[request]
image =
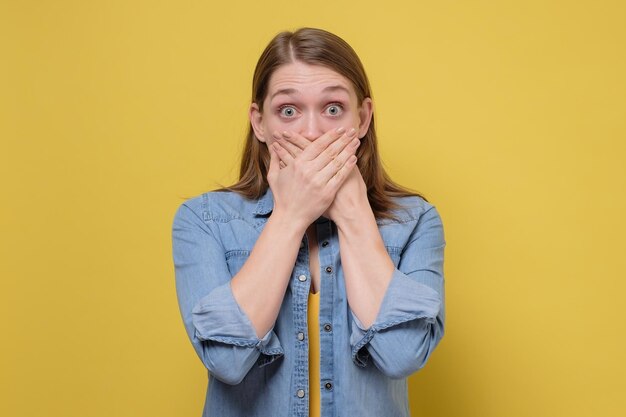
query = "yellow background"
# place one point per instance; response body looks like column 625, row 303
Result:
column 508, row 115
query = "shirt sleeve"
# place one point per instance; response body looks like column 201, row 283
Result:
column 410, row 322
column 220, row 332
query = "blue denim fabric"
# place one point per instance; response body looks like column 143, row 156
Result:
column 363, row 370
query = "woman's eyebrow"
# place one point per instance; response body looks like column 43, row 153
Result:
column 287, row 91
column 336, row 88
column 290, row 91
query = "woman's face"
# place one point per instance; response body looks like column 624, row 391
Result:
column 309, row 100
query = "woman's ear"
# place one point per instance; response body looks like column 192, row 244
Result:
column 255, row 120
column 365, row 116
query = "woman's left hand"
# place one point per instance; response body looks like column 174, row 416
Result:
column 351, row 195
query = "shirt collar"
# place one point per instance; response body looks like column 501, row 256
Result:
column 265, row 204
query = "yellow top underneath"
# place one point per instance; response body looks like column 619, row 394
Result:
column 314, row 355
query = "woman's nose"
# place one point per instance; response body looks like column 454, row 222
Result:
column 311, row 128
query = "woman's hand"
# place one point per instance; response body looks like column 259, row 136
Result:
column 307, row 185
column 351, row 194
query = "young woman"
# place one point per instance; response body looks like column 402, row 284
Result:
column 314, row 285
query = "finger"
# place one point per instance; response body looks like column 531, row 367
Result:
column 274, row 162
column 296, row 138
column 321, row 143
column 334, row 149
column 283, row 154
column 336, row 164
column 281, row 163
column 290, row 147
column 340, row 176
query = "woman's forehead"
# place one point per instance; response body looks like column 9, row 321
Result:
column 297, row 78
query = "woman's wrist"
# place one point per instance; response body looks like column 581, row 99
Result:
column 289, row 224
column 354, row 217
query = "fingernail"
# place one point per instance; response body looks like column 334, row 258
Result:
column 341, row 129
column 286, row 134
column 352, row 132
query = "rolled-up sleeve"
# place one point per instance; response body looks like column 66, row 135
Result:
column 410, row 322
column 221, row 333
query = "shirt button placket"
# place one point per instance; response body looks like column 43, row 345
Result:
column 300, row 368
column 301, row 278
column 326, row 341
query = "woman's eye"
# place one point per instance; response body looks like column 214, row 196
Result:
column 287, row 111
column 334, row 109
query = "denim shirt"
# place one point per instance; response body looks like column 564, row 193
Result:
column 363, row 371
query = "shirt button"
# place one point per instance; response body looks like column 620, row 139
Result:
column 300, row 336
column 328, row 327
column 302, row 278
column 329, row 269
column 300, row 393
column 324, row 243
column 328, row 386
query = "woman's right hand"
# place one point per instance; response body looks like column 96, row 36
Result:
column 306, row 187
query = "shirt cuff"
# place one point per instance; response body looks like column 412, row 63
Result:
column 218, row 317
column 405, row 300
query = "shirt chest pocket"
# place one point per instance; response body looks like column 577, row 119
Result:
column 235, row 260
column 395, row 237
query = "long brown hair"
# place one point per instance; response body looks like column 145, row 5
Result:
column 316, row 47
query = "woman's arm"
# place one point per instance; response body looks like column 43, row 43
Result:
column 366, row 263
column 222, row 332
column 267, row 271
column 398, row 313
